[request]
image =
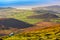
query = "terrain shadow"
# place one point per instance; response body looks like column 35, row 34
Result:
column 13, row 23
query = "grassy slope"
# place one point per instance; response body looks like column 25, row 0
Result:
column 23, row 16
column 50, row 33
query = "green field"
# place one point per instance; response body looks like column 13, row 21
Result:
column 23, row 17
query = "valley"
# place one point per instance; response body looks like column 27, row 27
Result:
column 41, row 23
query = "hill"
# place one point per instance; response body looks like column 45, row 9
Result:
column 55, row 8
column 6, row 8
column 6, row 11
column 41, row 25
column 23, row 14
column 11, row 25
column 37, row 33
column 44, row 16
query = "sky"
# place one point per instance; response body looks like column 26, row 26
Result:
column 28, row 2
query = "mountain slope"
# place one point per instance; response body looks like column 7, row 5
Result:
column 38, row 33
column 12, row 25
column 55, row 8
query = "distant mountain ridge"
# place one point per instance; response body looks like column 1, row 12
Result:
column 6, row 8
column 52, row 8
